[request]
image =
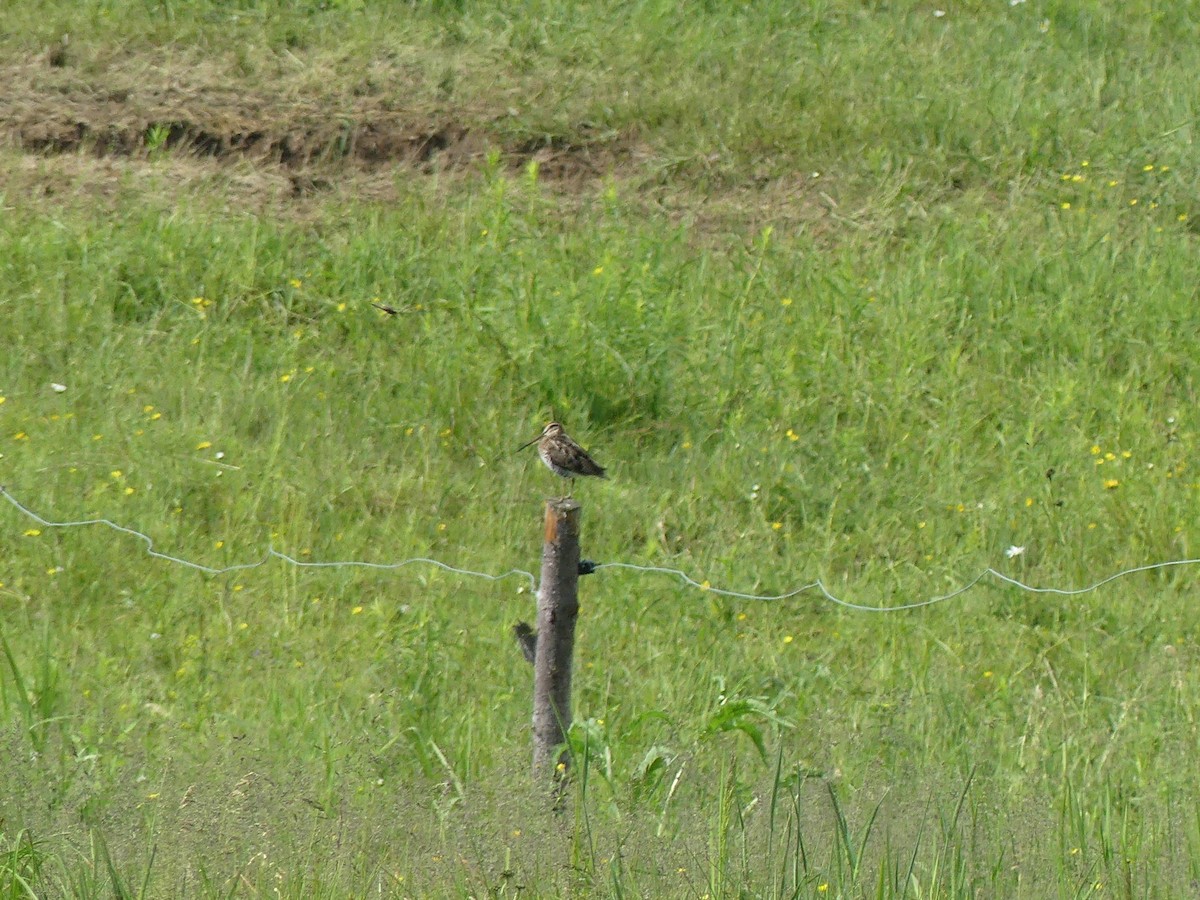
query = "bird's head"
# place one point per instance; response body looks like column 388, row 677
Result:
column 551, row 429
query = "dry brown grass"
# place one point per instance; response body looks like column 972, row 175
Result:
column 294, row 134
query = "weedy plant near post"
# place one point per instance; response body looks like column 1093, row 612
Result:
column 554, row 644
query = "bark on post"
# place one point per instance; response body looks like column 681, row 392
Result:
column 557, row 610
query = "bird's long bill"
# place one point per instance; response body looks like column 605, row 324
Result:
column 528, row 443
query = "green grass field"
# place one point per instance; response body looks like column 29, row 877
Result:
column 863, row 292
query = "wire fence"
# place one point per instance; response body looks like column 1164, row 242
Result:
column 703, row 585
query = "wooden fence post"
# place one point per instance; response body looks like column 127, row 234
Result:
column 557, row 610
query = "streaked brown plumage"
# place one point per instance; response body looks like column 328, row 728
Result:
column 563, row 456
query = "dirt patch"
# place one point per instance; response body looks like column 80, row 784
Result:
column 49, row 110
column 286, row 142
column 230, row 129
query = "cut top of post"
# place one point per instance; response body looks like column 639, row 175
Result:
column 561, row 514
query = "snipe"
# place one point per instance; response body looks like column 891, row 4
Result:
column 563, row 456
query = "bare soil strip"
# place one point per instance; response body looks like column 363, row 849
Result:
column 47, row 112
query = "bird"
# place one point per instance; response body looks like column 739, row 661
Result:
column 563, row 456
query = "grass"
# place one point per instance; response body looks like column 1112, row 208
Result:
column 854, row 292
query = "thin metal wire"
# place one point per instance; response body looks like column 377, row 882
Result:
column 818, row 584
column 208, row 570
column 658, row 570
column 1071, row 592
column 271, row 552
column 721, row 592
column 528, row 576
